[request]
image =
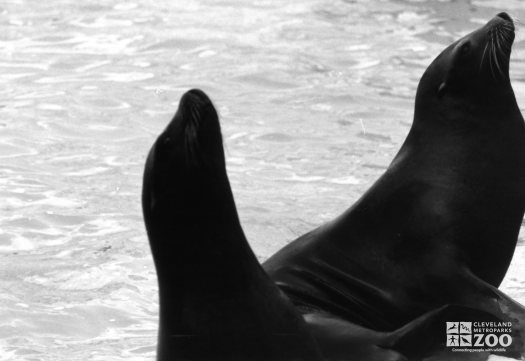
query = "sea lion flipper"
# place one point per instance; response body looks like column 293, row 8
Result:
column 491, row 299
column 343, row 340
column 216, row 302
column 426, row 336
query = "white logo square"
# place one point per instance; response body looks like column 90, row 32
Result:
column 465, row 327
column 452, row 340
column 465, row 340
column 452, row 327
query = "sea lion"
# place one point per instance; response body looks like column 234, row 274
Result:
column 216, row 302
column 440, row 226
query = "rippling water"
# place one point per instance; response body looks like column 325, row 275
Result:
column 315, row 99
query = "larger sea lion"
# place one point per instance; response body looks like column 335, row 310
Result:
column 216, row 302
column 440, row 226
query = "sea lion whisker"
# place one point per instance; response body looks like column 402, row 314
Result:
column 195, row 115
column 514, row 24
column 497, row 39
column 504, row 33
column 507, row 43
column 496, row 61
column 496, row 51
column 191, row 144
column 505, row 46
column 191, row 139
column 503, row 58
column 505, row 29
column 507, row 26
column 483, row 56
column 502, row 45
column 505, row 38
column 491, row 56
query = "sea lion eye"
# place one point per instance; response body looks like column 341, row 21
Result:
column 163, row 148
column 465, row 48
column 166, row 142
column 441, row 90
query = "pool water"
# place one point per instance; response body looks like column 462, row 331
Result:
column 315, row 99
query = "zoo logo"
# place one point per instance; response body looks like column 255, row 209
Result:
column 478, row 334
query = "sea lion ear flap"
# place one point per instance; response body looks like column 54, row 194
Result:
column 442, row 89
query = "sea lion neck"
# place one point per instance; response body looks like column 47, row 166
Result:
column 187, row 210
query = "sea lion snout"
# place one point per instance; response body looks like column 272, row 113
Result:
column 505, row 16
column 195, row 131
column 502, row 20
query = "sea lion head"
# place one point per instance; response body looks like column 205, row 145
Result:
column 467, row 146
column 185, row 169
column 193, row 138
column 471, row 76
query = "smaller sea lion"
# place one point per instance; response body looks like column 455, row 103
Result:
column 216, row 302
